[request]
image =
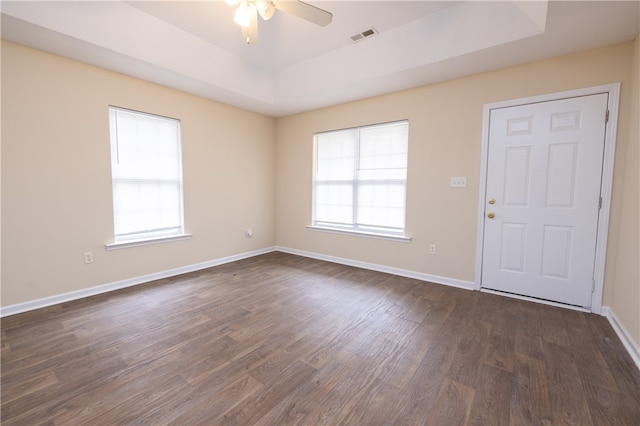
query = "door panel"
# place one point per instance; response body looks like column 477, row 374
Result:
column 513, row 247
column 561, row 182
column 516, row 187
column 543, row 176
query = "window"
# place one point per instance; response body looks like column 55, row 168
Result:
column 146, row 173
column 360, row 177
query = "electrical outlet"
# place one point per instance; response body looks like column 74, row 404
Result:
column 459, row 182
column 432, row 249
column 88, row 257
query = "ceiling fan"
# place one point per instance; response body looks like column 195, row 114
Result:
column 248, row 10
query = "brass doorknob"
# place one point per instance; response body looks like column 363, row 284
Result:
column 491, row 215
column 492, row 201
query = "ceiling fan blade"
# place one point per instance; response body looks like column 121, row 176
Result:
column 305, row 11
column 250, row 33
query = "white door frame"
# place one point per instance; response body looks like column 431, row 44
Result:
column 606, row 188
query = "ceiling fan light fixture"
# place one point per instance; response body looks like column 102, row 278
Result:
column 266, row 8
column 246, row 37
column 246, row 14
column 242, row 16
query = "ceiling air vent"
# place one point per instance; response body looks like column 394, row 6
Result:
column 365, row 34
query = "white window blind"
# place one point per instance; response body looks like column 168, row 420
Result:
column 146, row 171
column 360, row 178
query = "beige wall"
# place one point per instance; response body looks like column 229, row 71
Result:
column 623, row 295
column 56, row 176
column 445, row 140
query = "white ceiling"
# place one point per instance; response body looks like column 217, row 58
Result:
column 297, row 66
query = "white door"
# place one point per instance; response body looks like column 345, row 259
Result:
column 544, row 172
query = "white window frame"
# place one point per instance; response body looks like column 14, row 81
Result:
column 354, row 228
column 141, row 236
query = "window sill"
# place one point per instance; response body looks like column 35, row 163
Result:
column 390, row 237
column 146, row 242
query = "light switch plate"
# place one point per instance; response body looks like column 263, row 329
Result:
column 459, row 182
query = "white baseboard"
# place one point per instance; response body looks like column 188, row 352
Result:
column 104, row 288
column 624, row 335
column 467, row 285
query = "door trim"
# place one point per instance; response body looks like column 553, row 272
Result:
column 613, row 90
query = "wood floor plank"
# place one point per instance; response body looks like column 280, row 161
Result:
column 36, row 358
column 309, row 403
column 606, row 407
column 372, row 404
column 201, row 408
column 616, row 357
column 553, row 328
column 216, row 375
column 23, row 386
column 342, row 398
column 590, row 361
column 159, row 394
column 46, row 403
column 427, row 382
column 470, row 353
column 491, row 399
column 530, row 402
column 98, row 401
column 500, row 350
column 283, row 339
column 251, row 410
column 453, row 404
column 528, row 337
column 568, row 404
column 276, row 366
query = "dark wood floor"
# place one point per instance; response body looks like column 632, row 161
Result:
column 280, row 339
